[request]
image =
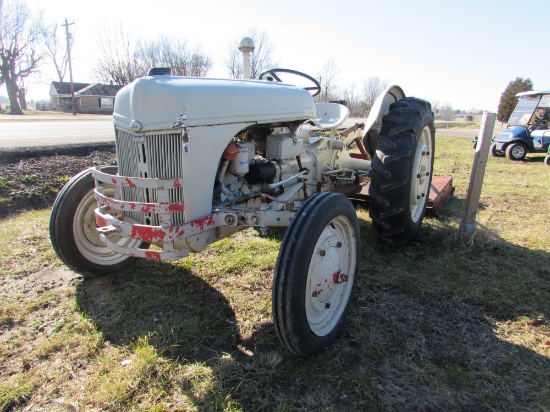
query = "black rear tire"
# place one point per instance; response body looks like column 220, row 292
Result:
column 73, row 234
column 402, row 170
column 547, row 160
column 516, row 151
column 316, row 273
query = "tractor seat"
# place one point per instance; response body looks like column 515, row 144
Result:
column 329, row 115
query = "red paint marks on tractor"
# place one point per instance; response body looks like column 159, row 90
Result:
column 130, row 183
column 176, row 207
column 147, row 208
column 148, row 234
column 100, row 221
column 203, row 221
column 152, row 254
column 177, row 183
column 113, row 181
column 339, row 277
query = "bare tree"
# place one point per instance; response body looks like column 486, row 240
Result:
column 174, row 53
column 261, row 59
column 436, row 106
column 329, row 77
column 200, row 64
column 125, row 58
column 21, row 38
column 372, row 87
column 352, row 96
column 56, row 48
column 234, row 62
column 118, row 62
column 446, row 112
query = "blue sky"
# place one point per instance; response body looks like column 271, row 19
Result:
column 463, row 53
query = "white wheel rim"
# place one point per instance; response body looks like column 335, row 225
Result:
column 420, row 179
column 518, row 152
column 87, row 238
column 330, row 276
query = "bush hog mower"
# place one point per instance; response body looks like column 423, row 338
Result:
column 200, row 159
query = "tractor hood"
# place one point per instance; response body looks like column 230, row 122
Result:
column 155, row 102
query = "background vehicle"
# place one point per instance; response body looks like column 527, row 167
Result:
column 200, row 159
column 527, row 127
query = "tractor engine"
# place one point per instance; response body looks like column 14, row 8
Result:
column 265, row 163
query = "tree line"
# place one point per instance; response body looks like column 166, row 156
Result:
column 27, row 43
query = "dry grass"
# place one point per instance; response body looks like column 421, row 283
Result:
column 448, row 322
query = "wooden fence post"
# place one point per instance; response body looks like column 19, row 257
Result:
column 467, row 224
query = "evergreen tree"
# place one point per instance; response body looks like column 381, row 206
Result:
column 508, row 98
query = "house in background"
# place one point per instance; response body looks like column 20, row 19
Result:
column 89, row 97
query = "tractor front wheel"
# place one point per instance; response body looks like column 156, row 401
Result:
column 516, row 151
column 316, row 273
column 547, row 160
column 73, row 230
column 402, row 170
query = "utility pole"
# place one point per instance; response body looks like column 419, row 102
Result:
column 68, row 35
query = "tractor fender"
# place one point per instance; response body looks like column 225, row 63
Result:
column 379, row 109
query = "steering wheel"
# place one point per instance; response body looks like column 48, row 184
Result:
column 313, row 90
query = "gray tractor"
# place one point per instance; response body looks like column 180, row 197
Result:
column 199, row 159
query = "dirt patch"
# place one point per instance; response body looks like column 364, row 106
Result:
column 30, row 181
column 48, row 279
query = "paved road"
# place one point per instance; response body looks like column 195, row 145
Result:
column 466, row 132
column 61, row 131
column 28, row 134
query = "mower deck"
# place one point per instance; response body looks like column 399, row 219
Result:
column 440, row 192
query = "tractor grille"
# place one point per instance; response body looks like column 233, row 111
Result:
column 158, row 157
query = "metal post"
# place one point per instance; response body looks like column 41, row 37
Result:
column 68, row 35
column 467, row 224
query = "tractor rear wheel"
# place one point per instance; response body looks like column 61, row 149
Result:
column 316, row 273
column 73, row 230
column 402, row 170
column 516, row 151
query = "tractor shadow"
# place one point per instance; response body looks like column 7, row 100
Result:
column 180, row 314
column 434, row 325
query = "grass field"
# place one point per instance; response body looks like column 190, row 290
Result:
column 447, row 322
